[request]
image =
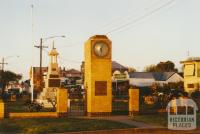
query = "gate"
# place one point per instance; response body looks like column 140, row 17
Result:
column 76, row 103
column 120, row 105
column 120, row 98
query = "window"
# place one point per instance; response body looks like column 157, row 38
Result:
column 189, row 70
column 190, row 85
column 198, row 72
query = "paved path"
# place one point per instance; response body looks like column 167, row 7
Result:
column 125, row 120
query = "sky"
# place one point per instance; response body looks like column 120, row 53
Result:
column 142, row 32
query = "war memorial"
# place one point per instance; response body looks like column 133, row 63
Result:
column 98, row 100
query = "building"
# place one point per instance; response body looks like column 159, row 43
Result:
column 191, row 73
column 147, row 79
column 70, row 73
column 120, row 79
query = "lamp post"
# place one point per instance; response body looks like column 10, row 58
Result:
column 42, row 40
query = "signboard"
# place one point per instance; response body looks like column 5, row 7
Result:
column 100, row 88
column 54, row 82
column 121, row 76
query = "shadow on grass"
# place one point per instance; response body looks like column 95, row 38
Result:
column 158, row 119
column 56, row 125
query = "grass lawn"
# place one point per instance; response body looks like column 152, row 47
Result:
column 158, row 119
column 56, row 125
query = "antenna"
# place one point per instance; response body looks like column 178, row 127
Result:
column 32, row 47
column 188, row 53
column 32, row 29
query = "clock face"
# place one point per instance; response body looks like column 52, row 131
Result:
column 101, row 49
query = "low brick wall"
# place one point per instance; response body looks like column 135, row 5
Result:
column 138, row 131
column 34, row 115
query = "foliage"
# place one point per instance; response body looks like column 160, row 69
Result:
column 22, row 106
column 172, row 85
column 7, row 76
column 161, row 94
column 53, row 103
column 167, row 66
column 150, row 68
column 131, row 69
column 195, row 94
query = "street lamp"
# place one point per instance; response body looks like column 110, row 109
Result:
column 42, row 40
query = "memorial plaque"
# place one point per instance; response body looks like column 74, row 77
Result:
column 100, row 88
column 54, row 82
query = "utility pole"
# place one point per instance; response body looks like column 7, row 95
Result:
column 2, row 64
column 41, row 47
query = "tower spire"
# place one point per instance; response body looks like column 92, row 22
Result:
column 53, row 45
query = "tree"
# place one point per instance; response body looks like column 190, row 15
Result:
column 131, row 69
column 6, row 76
column 167, row 66
column 150, row 68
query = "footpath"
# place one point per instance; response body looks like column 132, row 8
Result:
column 125, row 120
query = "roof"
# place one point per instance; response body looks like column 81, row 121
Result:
column 191, row 59
column 117, row 66
column 72, row 71
column 158, row 76
column 163, row 76
column 144, row 75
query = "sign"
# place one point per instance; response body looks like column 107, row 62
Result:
column 121, row 76
column 54, row 82
column 182, row 114
column 100, row 88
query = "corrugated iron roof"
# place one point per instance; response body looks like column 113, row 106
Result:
column 158, row 76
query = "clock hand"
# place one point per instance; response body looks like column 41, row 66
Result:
column 101, row 49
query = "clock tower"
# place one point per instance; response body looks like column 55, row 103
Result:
column 98, row 84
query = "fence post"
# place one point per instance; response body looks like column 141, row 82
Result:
column 62, row 101
column 133, row 101
column 2, row 110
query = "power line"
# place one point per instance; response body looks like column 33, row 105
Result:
column 141, row 18
column 64, row 59
column 68, row 60
column 129, row 15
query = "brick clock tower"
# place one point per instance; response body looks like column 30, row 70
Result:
column 98, row 83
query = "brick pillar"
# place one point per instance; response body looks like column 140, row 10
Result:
column 2, row 110
column 62, row 99
column 134, row 101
